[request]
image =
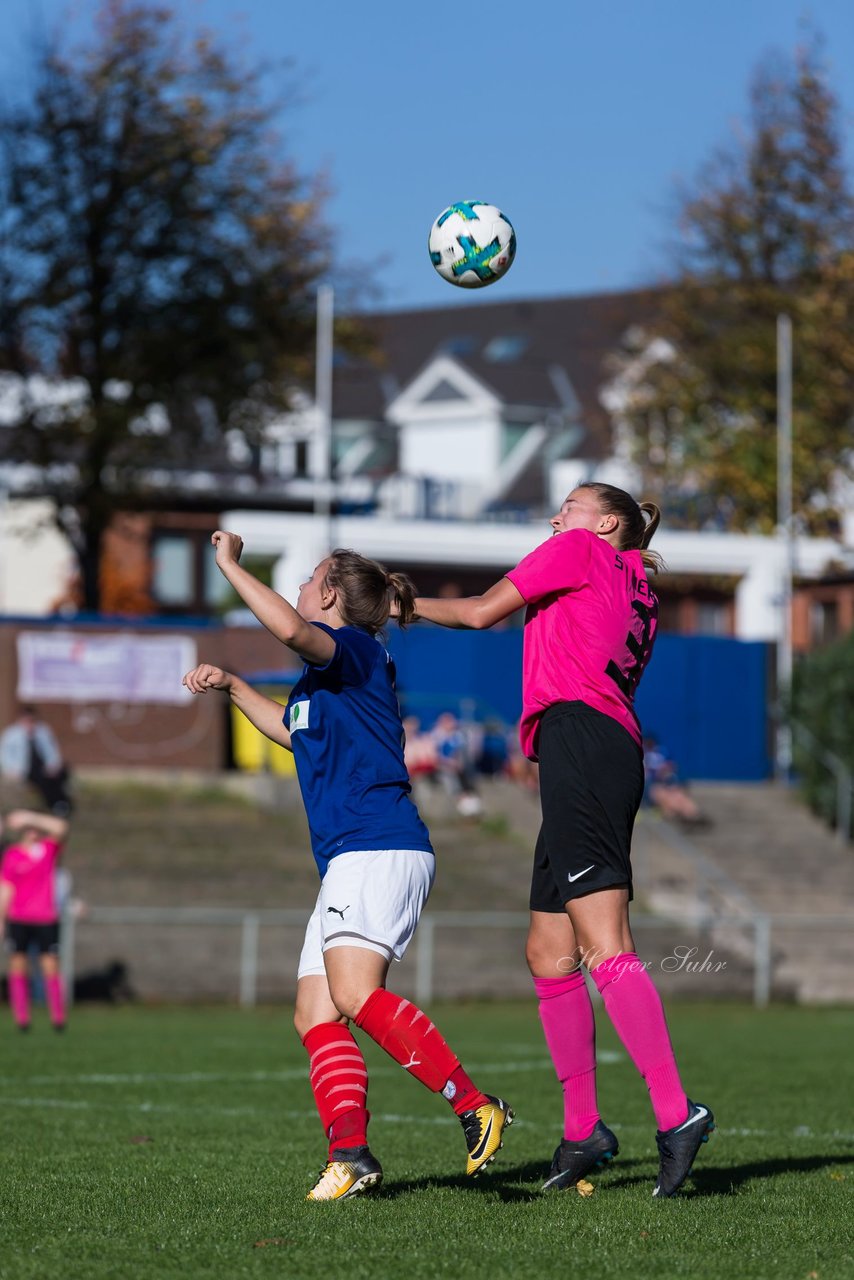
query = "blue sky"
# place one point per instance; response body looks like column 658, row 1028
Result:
column 577, row 122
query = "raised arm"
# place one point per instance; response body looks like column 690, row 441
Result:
column 7, row 892
column 265, row 713
column 45, row 823
column 472, row 612
column 272, row 610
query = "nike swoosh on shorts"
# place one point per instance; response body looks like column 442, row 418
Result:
column 570, row 877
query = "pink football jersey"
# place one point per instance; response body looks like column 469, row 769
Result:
column 589, row 629
column 30, row 872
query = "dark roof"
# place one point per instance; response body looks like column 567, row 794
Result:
column 510, row 346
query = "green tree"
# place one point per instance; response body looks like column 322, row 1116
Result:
column 822, row 700
column 767, row 230
column 158, row 265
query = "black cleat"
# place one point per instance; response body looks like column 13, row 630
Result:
column 678, row 1148
column 575, row 1159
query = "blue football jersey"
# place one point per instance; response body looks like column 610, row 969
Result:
column 347, row 741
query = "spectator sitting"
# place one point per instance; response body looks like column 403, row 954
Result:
column 29, row 752
column 664, row 789
column 419, row 750
column 454, row 767
column 494, row 751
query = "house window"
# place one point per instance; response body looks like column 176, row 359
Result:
column 173, row 574
column 712, row 618
column 215, row 588
column 670, row 615
column 506, row 349
column 511, row 434
column 184, row 576
column 824, row 622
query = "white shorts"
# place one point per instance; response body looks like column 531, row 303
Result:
column 370, row 899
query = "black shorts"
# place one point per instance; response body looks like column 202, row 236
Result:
column 591, row 786
column 20, row 937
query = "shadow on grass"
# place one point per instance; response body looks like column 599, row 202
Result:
column 706, row 1181
column 503, row 1182
column 720, row 1181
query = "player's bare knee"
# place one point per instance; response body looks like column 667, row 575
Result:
column 305, row 1019
column 348, row 1000
column 541, row 959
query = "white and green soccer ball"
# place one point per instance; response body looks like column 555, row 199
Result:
column 472, row 244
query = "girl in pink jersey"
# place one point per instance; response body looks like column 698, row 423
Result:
column 28, row 909
column 589, row 630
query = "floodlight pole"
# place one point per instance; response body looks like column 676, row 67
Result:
column 323, row 403
column 786, row 533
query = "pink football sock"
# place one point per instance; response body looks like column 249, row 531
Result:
column 634, row 1006
column 567, row 1017
column 19, row 998
column 55, row 999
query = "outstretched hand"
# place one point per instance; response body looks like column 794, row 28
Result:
column 228, row 547
column 204, row 676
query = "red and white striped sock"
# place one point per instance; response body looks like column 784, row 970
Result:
column 408, row 1036
column 339, row 1081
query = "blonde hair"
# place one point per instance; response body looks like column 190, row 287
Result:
column 638, row 520
column 366, row 590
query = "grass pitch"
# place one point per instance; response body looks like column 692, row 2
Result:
column 181, row 1143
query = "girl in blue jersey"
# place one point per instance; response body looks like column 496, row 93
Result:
column 373, row 852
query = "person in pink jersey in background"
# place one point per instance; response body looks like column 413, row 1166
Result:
column 29, row 911
column 590, row 626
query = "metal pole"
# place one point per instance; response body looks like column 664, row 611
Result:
column 249, row 961
column 785, row 528
column 66, row 950
column 323, row 403
column 424, row 961
column 843, row 800
column 761, row 960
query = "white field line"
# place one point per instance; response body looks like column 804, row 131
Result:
column 541, row 1063
column 156, row 1108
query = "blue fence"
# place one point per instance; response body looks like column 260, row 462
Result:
column 704, row 698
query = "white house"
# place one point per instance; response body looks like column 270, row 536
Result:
column 448, row 452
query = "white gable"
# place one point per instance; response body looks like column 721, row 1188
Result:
column 444, row 389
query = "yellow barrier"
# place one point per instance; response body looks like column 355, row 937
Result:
column 255, row 753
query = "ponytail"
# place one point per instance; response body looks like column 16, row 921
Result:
column 652, row 516
column 402, row 593
column 366, row 591
column 638, row 520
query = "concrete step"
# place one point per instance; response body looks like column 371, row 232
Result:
column 775, row 858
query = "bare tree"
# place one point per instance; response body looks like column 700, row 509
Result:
column 158, row 264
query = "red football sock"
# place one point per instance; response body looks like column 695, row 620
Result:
column 634, row 1006
column 339, row 1082
column 408, row 1036
column 567, row 1017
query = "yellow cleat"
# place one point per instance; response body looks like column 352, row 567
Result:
column 484, row 1130
column 353, row 1171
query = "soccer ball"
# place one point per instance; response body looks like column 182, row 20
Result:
column 472, row 244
